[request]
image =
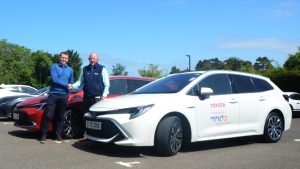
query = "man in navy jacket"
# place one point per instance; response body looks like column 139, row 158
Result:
column 61, row 80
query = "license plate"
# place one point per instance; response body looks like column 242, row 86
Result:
column 16, row 116
column 93, row 125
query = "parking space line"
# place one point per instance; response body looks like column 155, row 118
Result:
column 8, row 123
column 297, row 140
column 128, row 164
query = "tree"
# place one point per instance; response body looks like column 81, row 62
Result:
column 209, row 64
column 42, row 62
column 119, row 70
column 293, row 62
column 174, row 69
column 75, row 62
column 263, row 64
column 152, row 71
column 15, row 64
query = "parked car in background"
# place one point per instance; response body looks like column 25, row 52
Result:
column 294, row 100
column 16, row 90
column 28, row 114
column 191, row 107
column 8, row 103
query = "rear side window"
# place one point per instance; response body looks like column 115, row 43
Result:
column 242, row 84
column 117, row 86
column 219, row 83
column 135, row 84
column 261, row 85
column 295, row 96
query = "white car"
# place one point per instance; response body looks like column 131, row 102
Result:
column 191, row 107
column 16, row 90
column 294, row 100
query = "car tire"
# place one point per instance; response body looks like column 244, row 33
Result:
column 169, row 136
column 273, row 128
column 70, row 128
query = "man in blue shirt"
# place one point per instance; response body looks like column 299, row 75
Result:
column 95, row 81
column 61, row 80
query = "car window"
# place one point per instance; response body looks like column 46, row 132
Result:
column 295, row 96
column 41, row 91
column 133, row 84
column 242, row 84
column 118, row 86
column 27, row 90
column 261, row 85
column 219, row 83
column 170, row 84
column 13, row 89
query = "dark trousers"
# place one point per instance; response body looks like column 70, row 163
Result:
column 88, row 101
column 55, row 102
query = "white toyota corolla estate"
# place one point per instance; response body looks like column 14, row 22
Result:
column 191, row 107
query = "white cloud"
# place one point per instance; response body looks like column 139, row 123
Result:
column 272, row 45
column 285, row 8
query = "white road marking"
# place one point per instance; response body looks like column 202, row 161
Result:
column 129, row 164
column 8, row 123
column 298, row 140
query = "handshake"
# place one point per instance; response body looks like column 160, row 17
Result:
column 70, row 87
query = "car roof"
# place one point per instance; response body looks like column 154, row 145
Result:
column 3, row 86
column 132, row 77
column 290, row 93
column 226, row 71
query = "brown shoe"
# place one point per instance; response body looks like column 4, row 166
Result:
column 43, row 139
column 58, row 139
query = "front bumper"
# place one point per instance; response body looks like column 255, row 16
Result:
column 118, row 129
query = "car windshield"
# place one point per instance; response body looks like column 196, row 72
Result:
column 169, row 84
column 41, row 91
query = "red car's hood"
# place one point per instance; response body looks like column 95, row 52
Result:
column 33, row 100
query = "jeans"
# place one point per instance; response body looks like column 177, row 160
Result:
column 56, row 102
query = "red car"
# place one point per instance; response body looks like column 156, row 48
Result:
column 28, row 114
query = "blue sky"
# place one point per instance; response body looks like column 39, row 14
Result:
column 136, row 33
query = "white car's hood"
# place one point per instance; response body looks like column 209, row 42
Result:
column 127, row 101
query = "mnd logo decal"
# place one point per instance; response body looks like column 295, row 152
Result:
column 219, row 119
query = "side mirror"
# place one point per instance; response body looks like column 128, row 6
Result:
column 204, row 93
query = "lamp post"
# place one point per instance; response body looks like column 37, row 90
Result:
column 189, row 62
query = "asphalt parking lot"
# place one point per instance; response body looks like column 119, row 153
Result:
column 21, row 149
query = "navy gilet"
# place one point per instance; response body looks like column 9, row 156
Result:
column 92, row 80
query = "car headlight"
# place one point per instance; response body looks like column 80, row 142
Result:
column 40, row 106
column 135, row 111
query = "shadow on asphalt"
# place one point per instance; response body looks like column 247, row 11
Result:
column 30, row 134
column 222, row 143
column 25, row 134
column 123, row 151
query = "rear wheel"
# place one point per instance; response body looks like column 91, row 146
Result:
column 169, row 136
column 273, row 128
column 71, row 128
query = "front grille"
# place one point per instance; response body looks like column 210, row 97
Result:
column 108, row 130
column 24, row 120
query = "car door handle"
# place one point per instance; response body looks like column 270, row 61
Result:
column 233, row 101
column 262, row 98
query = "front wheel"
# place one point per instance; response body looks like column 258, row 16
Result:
column 70, row 129
column 169, row 136
column 273, row 128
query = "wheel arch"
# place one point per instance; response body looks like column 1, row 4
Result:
column 280, row 114
column 185, row 123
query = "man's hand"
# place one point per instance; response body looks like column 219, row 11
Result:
column 70, row 87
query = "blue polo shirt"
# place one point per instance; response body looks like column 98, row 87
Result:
column 61, row 77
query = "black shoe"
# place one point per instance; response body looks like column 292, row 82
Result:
column 58, row 139
column 43, row 139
